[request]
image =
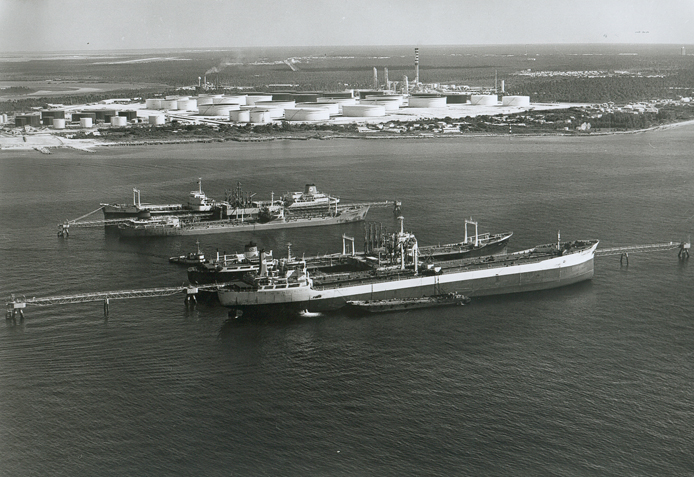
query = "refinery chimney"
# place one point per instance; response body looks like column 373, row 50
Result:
column 385, row 80
column 375, row 78
column 416, row 66
column 683, row 52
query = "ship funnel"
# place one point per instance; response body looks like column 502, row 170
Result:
column 263, row 265
column 250, row 250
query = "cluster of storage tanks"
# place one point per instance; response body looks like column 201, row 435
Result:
column 311, row 106
column 262, row 108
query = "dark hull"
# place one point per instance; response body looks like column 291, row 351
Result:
column 456, row 252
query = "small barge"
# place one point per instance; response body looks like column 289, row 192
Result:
column 403, row 304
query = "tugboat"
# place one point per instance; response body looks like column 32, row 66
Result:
column 192, row 258
column 400, row 304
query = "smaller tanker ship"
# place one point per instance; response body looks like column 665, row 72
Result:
column 225, row 268
column 394, row 272
column 238, row 212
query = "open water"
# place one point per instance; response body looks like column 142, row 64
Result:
column 592, row 379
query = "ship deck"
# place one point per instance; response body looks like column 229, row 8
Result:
column 325, row 281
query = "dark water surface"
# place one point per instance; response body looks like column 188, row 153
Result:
column 592, row 379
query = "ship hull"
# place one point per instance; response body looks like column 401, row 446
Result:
column 461, row 251
column 507, row 278
column 221, row 227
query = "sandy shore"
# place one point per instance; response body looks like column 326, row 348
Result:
column 44, row 141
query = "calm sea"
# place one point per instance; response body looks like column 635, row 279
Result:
column 592, row 379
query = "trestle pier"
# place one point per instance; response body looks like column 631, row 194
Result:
column 624, row 252
column 15, row 307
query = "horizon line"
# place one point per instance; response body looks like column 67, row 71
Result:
column 413, row 45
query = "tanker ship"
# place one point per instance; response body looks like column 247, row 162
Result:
column 396, row 273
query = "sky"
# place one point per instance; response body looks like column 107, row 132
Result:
column 63, row 25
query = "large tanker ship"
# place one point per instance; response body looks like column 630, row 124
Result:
column 396, row 273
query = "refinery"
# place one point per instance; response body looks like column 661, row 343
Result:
column 212, row 104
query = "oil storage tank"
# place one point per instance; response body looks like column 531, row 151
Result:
column 260, row 116
column 306, row 114
column 217, row 109
column 58, row 123
column 240, row 116
column 390, row 103
column 333, row 108
column 86, row 122
column 119, row 121
column 484, row 99
column 457, row 98
column 364, row 110
column 153, row 103
column 427, row 102
column 187, row 105
column 251, row 99
column 339, row 101
column 157, row 120
column 204, row 99
column 520, row 101
column 169, row 104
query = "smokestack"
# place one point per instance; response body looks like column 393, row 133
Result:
column 385, row 80
column 199, row 79
column 263, row 265
column 375, row 78
column 416, row 66
column 503, row 86
column 683, row 52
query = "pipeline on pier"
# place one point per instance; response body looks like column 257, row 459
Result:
column 624, row 252
column 15, row 307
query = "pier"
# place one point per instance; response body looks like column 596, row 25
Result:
column 624, row 252
column 15, row 307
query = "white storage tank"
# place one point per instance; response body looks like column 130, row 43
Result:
column 484, row 99
column 515, row 101
column 427, row 102
column 119, row 121
column 153, row 103
column 306, row 114
column 86, row 122
column 364, row 110
column 156, row 120
column 389, row 104
column 187, row 105
column 169, row 104
column 260, row 116
column 58, row 123
column 339, row 101
column 203, row 100
column 217, row 109
column 333, row 108
column 396, row 98
column 237, row 98
column 276, row 104
column 240, row 116
column 252, row 98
